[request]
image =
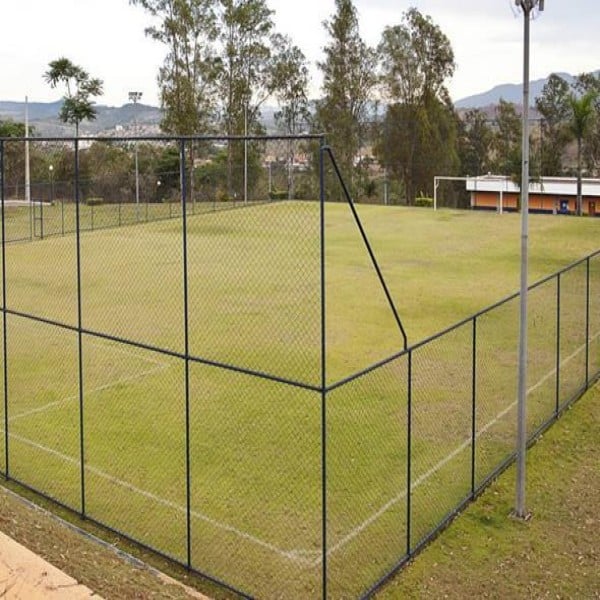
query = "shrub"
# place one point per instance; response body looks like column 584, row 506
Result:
column 278, row 195
column 424, row 201
column 223, row 196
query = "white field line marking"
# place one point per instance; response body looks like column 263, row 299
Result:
column 296, row 555
column 160, row 366
column 369, row 521
column 291, row 554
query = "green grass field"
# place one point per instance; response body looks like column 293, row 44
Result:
column 255, row 444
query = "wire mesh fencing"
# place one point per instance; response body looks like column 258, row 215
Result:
column 188, row 361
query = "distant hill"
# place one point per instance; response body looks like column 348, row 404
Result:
column 111, row 120
column 37, row 110
column 510, row 92
column 44, row 117
column 114, row 120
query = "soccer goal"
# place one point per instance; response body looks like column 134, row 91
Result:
column 450, row 192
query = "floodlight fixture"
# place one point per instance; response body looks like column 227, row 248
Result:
column 135, row 96
column 528, row 5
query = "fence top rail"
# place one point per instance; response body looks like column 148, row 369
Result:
column 504, row 300
column 457, row 325
column 169, row 138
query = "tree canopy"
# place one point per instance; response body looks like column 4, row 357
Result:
column 80, row 89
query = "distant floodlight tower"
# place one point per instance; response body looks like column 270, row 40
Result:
column 27, row 164
column 135, row 97
column 527, row 6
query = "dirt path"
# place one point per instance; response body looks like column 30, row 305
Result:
column 41, row 557
column 26, row 576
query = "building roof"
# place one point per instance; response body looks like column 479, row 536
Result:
column 554, row 186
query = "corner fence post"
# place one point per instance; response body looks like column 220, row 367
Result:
column 79, row 331
column 323, row 367
column 186, row 350
column 4, row 324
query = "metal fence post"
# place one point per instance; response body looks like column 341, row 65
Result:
column 79, row 330
column 31, row 220
column 41, row 219
column 323, row 367
column 4, row 324
column 587, row 322
column 473, row 406
column 409, row 456
column 557, row 407
column 186, row 343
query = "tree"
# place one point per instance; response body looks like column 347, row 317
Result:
column 475, row 143
column 553, row 106
column 416, row 59
column 290, row 85
column 244, row 73
column 105, row 172
column 507, row 141
column 590, row 82
column 582, row 115
column 244, row 79
column 187, row 77
column 11, row 128
column 349, row 77
column 188, row 29
column 77, row 105
column 14, row 156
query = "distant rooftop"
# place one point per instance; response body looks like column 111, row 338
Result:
column 566, row 186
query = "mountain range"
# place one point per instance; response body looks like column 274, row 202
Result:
column 112, row 120
column 510, row 92
column 43, row 116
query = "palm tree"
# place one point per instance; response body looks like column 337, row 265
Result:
column 582, row 115
column 77, row 105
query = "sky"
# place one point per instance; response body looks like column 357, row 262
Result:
column 106, row 37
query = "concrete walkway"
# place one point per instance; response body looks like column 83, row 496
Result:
column 26, row 576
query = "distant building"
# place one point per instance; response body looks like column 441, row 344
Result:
column 549, row 195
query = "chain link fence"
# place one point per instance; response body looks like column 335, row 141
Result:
column 186, row 362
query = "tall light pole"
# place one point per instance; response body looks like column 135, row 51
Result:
column 135, row 97
column 27, row 169
column 527, row 6
column 51, row 172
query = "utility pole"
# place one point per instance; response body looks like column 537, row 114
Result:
column 135, row 97
column 527, row 6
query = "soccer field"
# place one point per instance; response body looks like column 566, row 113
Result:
column 230, row 440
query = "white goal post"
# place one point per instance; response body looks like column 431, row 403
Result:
column 436, row 183
column 500, row 188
